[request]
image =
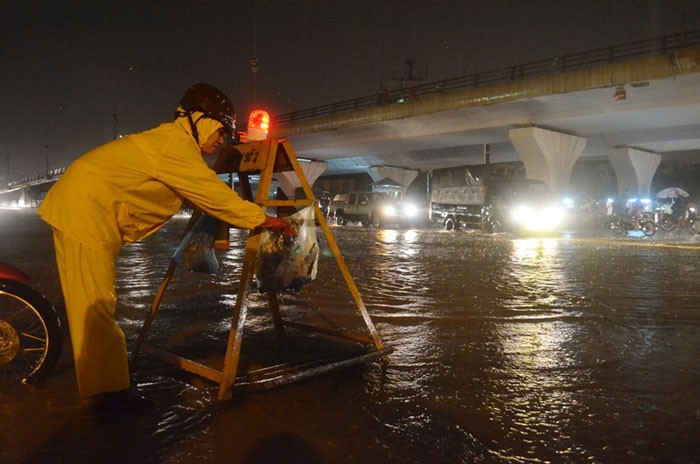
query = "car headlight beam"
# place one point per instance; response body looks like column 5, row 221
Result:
column 410, row 210
column 389, row 210
column 544, row 218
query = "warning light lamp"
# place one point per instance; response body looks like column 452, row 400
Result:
column 258, row 125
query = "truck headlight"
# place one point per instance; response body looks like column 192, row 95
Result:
column 545, row 218
column 522, row 214
column 410, row 210
column 552, row 217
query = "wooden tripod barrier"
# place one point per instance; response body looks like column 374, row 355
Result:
column 265, row 158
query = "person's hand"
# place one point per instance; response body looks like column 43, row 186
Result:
column 278, row 224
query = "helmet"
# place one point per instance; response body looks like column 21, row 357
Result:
column 212, row 102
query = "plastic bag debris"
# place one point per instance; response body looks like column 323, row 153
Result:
column 288, row 263
column 196, row 252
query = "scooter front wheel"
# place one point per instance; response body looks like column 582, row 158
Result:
column 30, row 334
column 696, row 226
column 648, row 228
column 616, row 227
column 667, row 224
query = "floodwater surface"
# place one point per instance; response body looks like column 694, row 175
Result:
column 504, row 349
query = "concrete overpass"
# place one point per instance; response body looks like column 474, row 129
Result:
column 634, row 103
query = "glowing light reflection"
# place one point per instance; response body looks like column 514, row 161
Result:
column 540, row 352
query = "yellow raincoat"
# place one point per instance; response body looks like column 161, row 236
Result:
column 117, row 193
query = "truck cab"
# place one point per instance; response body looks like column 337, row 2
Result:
column 524, row 206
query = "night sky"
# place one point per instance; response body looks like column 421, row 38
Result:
column 67, row 67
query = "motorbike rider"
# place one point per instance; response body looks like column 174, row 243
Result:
column 121, row 192
column 678, row 209
column 635, row 209
column 621, row 206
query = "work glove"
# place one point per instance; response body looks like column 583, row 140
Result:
column 276, row 224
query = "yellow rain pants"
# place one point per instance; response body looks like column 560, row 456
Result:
column 99, row 345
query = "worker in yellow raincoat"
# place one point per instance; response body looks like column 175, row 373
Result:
column 121, row 192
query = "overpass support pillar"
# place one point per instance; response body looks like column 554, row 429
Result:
column 400, row 176
column 634, row 170
column 289, row 181
column 547, row 155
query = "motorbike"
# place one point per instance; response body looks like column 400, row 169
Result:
column 688, row 220
column 620, row 224
column 30, row 329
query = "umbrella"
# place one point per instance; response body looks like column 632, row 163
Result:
column 672, row 192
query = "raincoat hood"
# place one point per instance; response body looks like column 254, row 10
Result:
column 205, row 125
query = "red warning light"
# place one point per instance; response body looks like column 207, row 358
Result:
column 259, row 119
column 258, row 125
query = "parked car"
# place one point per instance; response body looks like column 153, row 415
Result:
column 369, row 208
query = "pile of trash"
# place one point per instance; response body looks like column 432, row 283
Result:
column 286, row 263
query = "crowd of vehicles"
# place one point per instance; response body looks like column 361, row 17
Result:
column 480, row 200
column 634, row 219
column 670, row 210
column 677, row 212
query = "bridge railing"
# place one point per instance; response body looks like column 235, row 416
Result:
column 614, row 54
column 37, row 178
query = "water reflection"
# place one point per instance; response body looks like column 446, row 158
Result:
column 398, row 291
column 397, row 241
column 537, row 275
column 538, row 352
column 534, row 248
column 396, row 278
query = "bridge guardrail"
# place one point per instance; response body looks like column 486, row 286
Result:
column 37, row 177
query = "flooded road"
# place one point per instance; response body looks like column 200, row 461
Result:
column 572, row 349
